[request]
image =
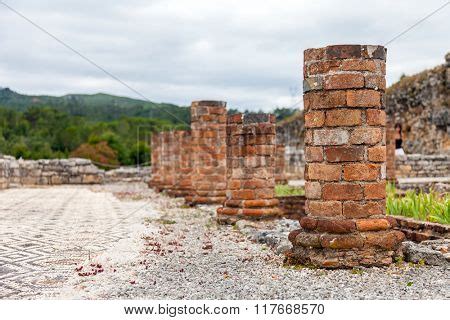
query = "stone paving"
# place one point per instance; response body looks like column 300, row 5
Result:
column 47, row 232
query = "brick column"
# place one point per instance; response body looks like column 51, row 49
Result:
column 345, row 154
column 280, row 175
column 181, row 164
column 208, row 122
column 167, row 169
column 250, row 168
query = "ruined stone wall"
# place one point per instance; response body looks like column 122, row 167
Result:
column 421, row 104
column 49, row 172
column 345, row 153
column 250, row 188
column 419, row 165
column 128, row 174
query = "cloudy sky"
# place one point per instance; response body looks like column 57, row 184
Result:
column 246, row 52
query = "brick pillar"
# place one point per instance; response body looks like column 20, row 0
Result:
column 155, row 180
column 345, row 154
column 181, row 164
column 390, row 151
column 250, row 168
column 208, row 122
column 167, row 170
column 280, row 175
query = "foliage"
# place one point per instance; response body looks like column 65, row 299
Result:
column 284, row 190
column 100, row 152
column 97, row 107
column 40, row 133
column 421, row 206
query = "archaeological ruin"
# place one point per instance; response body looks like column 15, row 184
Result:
column 251, row 155
column 341, row 148
column 345, row 157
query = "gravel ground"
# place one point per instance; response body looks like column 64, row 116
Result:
column 183, row 254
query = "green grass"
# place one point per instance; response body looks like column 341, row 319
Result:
column 284, row 190
column 430, row 207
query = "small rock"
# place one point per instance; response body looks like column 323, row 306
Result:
column 416, row 252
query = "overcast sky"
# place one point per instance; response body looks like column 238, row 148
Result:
column 248, row 53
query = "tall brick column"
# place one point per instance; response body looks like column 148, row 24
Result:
column 280, row 175
column 345, row 153
column 250, row 168
column 208, row 145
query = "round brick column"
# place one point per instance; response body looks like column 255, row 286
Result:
column 167, row 169
column 208, row 122
column 345, row 156
column 250, row 168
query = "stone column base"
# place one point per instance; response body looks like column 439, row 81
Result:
column 332, row 251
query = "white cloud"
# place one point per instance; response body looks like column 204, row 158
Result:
column 248, row 53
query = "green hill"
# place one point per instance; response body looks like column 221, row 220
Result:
column 97, row 107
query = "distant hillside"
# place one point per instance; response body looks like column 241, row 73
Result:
column 100, row 107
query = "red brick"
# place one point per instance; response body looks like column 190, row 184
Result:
column 346, row 51
column 361, row 172
column 314, row 119
column 313, row 190
column 358, row 65
column 324, row 99
column 308, row 223
column 344, row 81
column 342, row 154
column 375, row 190
column 343, row 117
column 375, row 82
column 321, row 67
column 345, row 241
column 325, row 172
column 377, row 154
column 363, row 98
column 313, row 154
column 323, row 208
column 243, row 194
column 340, row 191
column 354, row 209
column 372, row 224
column 368, row 136
column 336, row 226
column 330, row 137
column 314, row 54
column 388, row 240
column 375, row 117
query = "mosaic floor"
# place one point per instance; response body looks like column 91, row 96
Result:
column 46, row 232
